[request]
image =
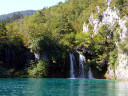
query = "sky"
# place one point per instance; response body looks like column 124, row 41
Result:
column 9, row 6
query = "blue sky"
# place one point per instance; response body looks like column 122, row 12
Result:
column 8, row 6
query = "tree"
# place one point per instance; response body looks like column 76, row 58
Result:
column 103, row 44
column 3, row 34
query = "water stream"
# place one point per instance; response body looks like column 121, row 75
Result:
column 82, row 72
column 90, row 75
column 72, row 61
column 82, row 62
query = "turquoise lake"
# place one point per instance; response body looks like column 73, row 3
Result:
column 62, row 87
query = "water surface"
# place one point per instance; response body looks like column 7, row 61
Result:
column 62, row 87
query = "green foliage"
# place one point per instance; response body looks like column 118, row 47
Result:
column 56, row 30
column 3, row 34
column 55, row 24
column 123, row 46
column 16, row 41
column 30, row 65
column 113, row 58
column 34, row 45
column 119, row 2
column 126, row 24
column 39, row 70
column 101, row 45
column 82, row 39
column 68, row 40
column 122, row 5
column 103, row 40
column 10, row 72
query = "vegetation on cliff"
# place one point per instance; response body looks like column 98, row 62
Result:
column 56, row 31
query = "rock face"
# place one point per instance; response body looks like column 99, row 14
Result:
column 14, row 58
column 121, row 72
column 112, row 17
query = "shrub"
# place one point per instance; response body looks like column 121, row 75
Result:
column 40, row 70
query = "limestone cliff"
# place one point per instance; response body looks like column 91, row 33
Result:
column 112, row 17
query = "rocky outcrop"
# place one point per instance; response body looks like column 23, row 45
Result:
column 121, row 71
column 111, row 16
column 37, row 56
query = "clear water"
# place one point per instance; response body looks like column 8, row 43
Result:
column 62, row 87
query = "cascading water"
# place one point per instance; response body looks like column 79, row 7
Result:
column 82, row 61
column 90, row 75
column 72, row 61
column 79, row 71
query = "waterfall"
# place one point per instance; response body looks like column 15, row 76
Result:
column 82, row 61
column 72, row 63
column 90, row 75
column 80, row 70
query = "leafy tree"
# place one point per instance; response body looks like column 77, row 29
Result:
column 3, row 35
column 39, row 70
column 103, row 44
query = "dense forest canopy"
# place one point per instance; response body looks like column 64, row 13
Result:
column 55, row 32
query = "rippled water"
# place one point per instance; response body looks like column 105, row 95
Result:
column 62, row 87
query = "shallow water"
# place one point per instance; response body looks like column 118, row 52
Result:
column 62, row 87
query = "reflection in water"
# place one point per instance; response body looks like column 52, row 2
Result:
column 62, row 87
column 81, row 88
column 121, row 89
column 118, row 88
column 35, row 87
column 77, row 87
column 71, row 88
